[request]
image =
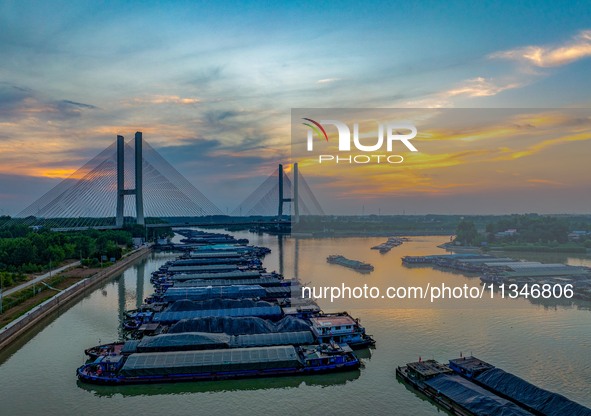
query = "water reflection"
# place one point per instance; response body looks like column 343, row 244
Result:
column 280, row 238
column 139, row 289
column 121, row 304
column 296, row 258
column 365, row 354
column 545, row 346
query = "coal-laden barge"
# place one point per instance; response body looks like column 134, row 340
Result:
column 217, row 314
column 218, row 364
column 468, row 386
column 351, row 264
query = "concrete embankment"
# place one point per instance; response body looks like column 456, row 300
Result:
column 22, row 324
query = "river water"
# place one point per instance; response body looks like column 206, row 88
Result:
column 547, row 344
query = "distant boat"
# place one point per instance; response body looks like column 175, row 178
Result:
column 352, row 264
column 388, row 245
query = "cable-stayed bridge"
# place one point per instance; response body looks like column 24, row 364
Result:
column 130, row 182
column 270, row 197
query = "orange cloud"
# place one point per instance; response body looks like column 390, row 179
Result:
column 538, row 147
column 473, row 88
column 165, row 99
column 479, row 87
column 545, row 182
column 550, row 56
column 474, row 157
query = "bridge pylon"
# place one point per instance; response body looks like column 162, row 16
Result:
column 138, row 190
column 282, row 198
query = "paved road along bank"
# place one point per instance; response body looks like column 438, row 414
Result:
column 40, row 278
column 19, row 326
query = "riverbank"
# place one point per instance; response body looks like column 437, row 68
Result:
column 38, row 369
column 36, row 279
column 568, row 248
column 12, row 331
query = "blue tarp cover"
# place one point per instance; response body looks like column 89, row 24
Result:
column 269, row 311
column 203, row 293
column 202, row 268
column 229, row 282
column 190, row 305
column 278, row 338
column 238, row 326
column 188, row 341
column 236, row 274
column 473, row 397
column 192, row 262
column 546, row 402
column 197, row 362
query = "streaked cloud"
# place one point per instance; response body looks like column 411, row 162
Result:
column 327, row 80
column 471, row 88
column 480, row 87
column 579, row 47
column 491, row 153
column 165, row 99
column 213, row 90
column 545, row 182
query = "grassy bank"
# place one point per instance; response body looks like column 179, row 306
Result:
column 24, row 300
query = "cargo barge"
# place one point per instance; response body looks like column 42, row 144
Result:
column 470, row 386
column 388, row 245
column 194, row 341
column 236, row 363
column 261, row 310
column 506, row 270
column 188, row 309
column 454, row 393
column 351, row 264
column 530, row 397
column 216, row 313
column 340, row 328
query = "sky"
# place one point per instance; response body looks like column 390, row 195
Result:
column 211, row 85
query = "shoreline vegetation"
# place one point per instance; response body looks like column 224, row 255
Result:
column 525, row 233
column 27, row 250
column 30, row 251
column 36, row 309
column 527, row 248
column 21, row 302
column 537, row 248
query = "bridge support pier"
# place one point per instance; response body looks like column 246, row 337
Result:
column 138, row 192
column 296, row 194
column 120, row 181
column 295, row 199
column 280, row 210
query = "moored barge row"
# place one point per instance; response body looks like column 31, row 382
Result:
column 506, row 270
column 216, row 313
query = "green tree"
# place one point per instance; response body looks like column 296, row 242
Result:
column 466, row 233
